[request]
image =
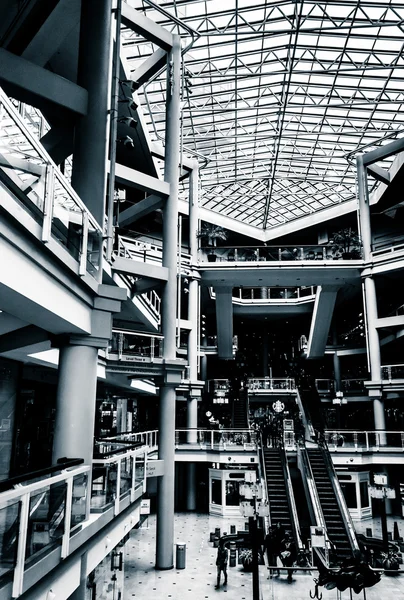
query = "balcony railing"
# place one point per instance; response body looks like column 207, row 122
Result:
column 131, row 345
column 37, row 516
column 271, row 384
column 217, row 439
column 147, row 438
column 145, row 251
column 348, row 386
column 393, row 372
column 365, row 440
column 273, row 293
column 272, row 253
column 44, row 193
column 117, row 477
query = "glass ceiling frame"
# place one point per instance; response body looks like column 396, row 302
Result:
column 278, row 97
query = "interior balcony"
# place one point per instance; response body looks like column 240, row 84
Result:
column 48, row 515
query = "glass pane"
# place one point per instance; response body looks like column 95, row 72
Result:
column 126, row 474
column 216, row 491
column 46, row 518
column 139, row 469
column 349, row 490
column 79, row 500
column 232, row 494
column 9, row 525
column 363, row 487
column 93, row 251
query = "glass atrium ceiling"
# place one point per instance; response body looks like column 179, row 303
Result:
column 278, row 97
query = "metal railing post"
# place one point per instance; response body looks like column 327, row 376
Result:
column 68, row 517
column 48, row 203
column 21, row 546
column 118, row 488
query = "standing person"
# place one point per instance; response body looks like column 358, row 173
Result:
column 271, row 547
column 287, row 552
column 221, row 563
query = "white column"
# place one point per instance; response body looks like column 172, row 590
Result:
column 165, row 496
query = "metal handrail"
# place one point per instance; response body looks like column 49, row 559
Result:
column 261, row 462
column 291, row 498
column 308, row 479
column 350, row 529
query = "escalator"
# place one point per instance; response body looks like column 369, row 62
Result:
column 281, row 502
column 336, row 522
column 327, row 501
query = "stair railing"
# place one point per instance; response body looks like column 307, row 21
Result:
column 346, row 516
column 291, row 499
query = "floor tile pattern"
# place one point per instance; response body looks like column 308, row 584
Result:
column 197, row 581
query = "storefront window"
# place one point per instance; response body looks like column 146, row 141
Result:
column 349, row 490
column 364, row 492
column 216, row 491
column 232, row 494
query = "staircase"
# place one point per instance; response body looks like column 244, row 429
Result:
column 332, row 515
column 277, row 494
column 240, row 412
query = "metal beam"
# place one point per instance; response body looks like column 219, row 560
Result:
column 58, row 142
column 321, row 320
column 145, row 27
column 26, row 336
column 139, row 269
column 149, row 67
column 158, row 151
column 397, row 321
column 53, row 32
column 139, row 210
column 12, row 162
column 379, row 174
column 383, row 152
column 41, row 83
column 141, row 181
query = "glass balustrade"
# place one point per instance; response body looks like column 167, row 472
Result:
column 237, row 439
column 117, row 476
column 272, row 293
column 10, row 515
column 364, row 440
column 44, row 193
column 271, row 253
column 393, row 372
column 270, row 383
column 34, row 519
column 137, row 345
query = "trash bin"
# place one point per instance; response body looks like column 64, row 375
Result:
column 233, row 554
column 180, row 556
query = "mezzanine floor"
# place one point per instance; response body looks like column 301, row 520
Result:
column 197, row 581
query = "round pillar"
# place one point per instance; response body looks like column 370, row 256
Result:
column 165, row 495
column 75, row 403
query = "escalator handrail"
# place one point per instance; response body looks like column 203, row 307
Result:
column 312, row 488
column 346, row 516
column 267, row 520
column 308, row 426
column 291, row 500
column 8, row 484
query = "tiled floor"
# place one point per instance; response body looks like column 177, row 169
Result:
column 197, row 581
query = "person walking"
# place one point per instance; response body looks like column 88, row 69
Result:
column 287, row 552
column 221, row 564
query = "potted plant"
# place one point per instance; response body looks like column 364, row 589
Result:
column 346, row 244
column 209, row 235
